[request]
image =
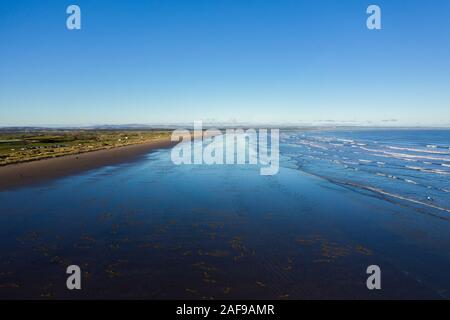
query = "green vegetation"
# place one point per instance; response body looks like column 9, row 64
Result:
column 24, row 146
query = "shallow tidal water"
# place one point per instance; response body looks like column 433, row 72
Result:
column 151, row 230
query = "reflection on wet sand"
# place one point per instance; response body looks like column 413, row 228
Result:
column 210, row 234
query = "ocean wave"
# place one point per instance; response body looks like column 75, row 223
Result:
column 386, row 193
column 346, row 140
column 392, row 169
column 418, row 150
column 381, row 191
column 311, row 144
column 434, row 146
column 436, row 171
column 410, row 157
column 389, row 194
column 351, row 162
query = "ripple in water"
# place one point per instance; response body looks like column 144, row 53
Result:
column 407, row 165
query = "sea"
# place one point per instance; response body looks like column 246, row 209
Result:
column 342, row 201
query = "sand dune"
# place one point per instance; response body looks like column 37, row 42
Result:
column 22, row 174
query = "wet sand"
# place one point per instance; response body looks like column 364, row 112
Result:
column 154, row 230
column 22, row 174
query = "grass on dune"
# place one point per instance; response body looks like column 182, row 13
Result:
column 18, row 147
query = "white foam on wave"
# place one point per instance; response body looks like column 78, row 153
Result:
column 351, row 162
column 418, row 150
column 311, row 144
column 414, row 168
column 436, row 171
column 370, row 150
column 386, row 193
column 439, row 171
column 397, row 196
column 407, row 157
column 346, row 140
column 406, row 199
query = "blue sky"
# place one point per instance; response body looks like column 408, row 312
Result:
column 170, row 61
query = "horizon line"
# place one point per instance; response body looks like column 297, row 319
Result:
column 222, row 124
